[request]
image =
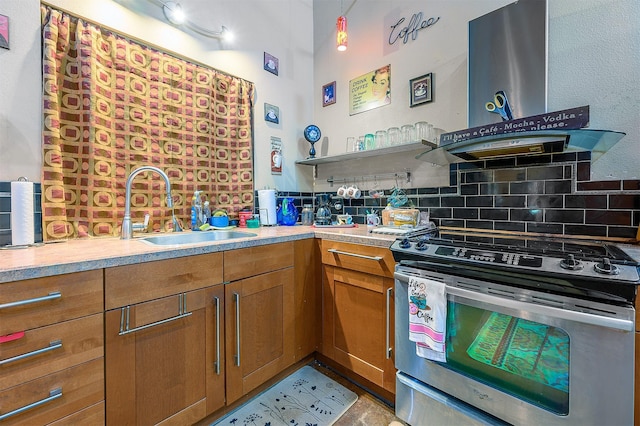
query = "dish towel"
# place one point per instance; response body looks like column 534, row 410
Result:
column 428, row 317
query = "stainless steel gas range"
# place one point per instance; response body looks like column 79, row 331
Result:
column 538, row 331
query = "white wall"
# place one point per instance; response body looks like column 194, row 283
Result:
column 594, row 59
column 279, row 27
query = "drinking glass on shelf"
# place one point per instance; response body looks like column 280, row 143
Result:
column 408, row 132
column 369, row 141
column 381, row 138
column 360, row 143
column 351, row 144
column 393, row 136
column 422, row 131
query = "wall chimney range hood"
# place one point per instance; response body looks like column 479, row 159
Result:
column 533, row 142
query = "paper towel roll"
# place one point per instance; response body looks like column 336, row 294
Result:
column 22, row 223
column 267, row 204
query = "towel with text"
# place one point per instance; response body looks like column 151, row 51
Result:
column 428, row 317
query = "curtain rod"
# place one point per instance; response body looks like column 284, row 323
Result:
column 144, row 42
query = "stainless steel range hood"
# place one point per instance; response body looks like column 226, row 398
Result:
column 510, row 145
column 524, row 143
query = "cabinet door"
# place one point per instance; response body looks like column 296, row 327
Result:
column 155, row 360
column 358, row 323
column 215, row 348
column 259, row 330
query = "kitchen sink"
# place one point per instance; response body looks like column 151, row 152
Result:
column 195, row 237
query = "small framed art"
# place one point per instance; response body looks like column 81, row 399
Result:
column 270, row 63
column 4, row 31
column 421, row 90
column 329, row 94
column 271, row 113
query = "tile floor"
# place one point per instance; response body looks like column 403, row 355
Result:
column 367, row 410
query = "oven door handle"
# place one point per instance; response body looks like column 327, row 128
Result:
column 478, row 298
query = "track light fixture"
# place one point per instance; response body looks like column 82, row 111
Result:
column 175, row 15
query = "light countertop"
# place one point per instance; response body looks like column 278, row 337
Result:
column 93, row 253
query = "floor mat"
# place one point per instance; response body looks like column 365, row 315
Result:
column 305, row 398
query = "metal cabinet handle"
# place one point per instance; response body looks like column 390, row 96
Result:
column 389, row 349
column 50, row 296
column 54, row 394
column 346, row 253
column 236, row 299
column 216, row 363
column 56, row 344
column 124, row 317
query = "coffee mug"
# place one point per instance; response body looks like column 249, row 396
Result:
column 343, row 191
column 353, row 192
column 345, row 219
column 373, row 219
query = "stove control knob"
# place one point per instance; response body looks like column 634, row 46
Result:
column 605, row 267
column 422, row 245
column 571, row 263
column 405, row 243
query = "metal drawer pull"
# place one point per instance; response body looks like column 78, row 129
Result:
column 346, row 253
column 216, row 363
column 236, row 298
column 56, row 344
column 389, row 349
column 124, row 317
column 50, row 296
column 54, row 394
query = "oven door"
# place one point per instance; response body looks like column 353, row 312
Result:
column 523, row 356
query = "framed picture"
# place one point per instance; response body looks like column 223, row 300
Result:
column 420, row 90
column 329, row 94
column 370, row 90
column 271, row 63
column 4, row 31
column 271, row 113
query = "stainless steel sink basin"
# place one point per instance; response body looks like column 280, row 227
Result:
column 195, row 237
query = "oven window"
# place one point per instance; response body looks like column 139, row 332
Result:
column 524, row 358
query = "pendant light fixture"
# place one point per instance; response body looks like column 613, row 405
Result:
column 341, row 31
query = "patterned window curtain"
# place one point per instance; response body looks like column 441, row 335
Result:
column 112, row 105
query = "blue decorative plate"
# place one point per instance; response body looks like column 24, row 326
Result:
column 312, row 133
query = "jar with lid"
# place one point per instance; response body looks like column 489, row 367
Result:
column 307, row 215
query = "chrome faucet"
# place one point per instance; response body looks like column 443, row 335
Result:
column 127, row 226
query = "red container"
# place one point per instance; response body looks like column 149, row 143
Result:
column 243, row 216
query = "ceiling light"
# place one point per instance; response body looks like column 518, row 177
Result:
column 341, row 33
column 173, row 12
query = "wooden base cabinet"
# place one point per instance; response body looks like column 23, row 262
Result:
column 52, row 353
column 259, row 316
column 157, row 359
column 358, row 310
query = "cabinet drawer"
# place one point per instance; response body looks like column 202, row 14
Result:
column 247, row 262
column 358, row 257
column 93, row 416
column 131, row 284
column 38, row 302
column 45, row 350
column 81, row 386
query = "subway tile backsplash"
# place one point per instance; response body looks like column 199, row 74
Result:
column 549, row 194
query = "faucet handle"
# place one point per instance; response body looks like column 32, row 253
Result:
column 141, row 227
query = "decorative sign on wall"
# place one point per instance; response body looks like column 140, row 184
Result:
column 271, row 113
column 399, row 31
column 4, row 31
column 421, row 90
column 371, row 90
column 276, row 156
column 329, row 94
column 270, row 63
